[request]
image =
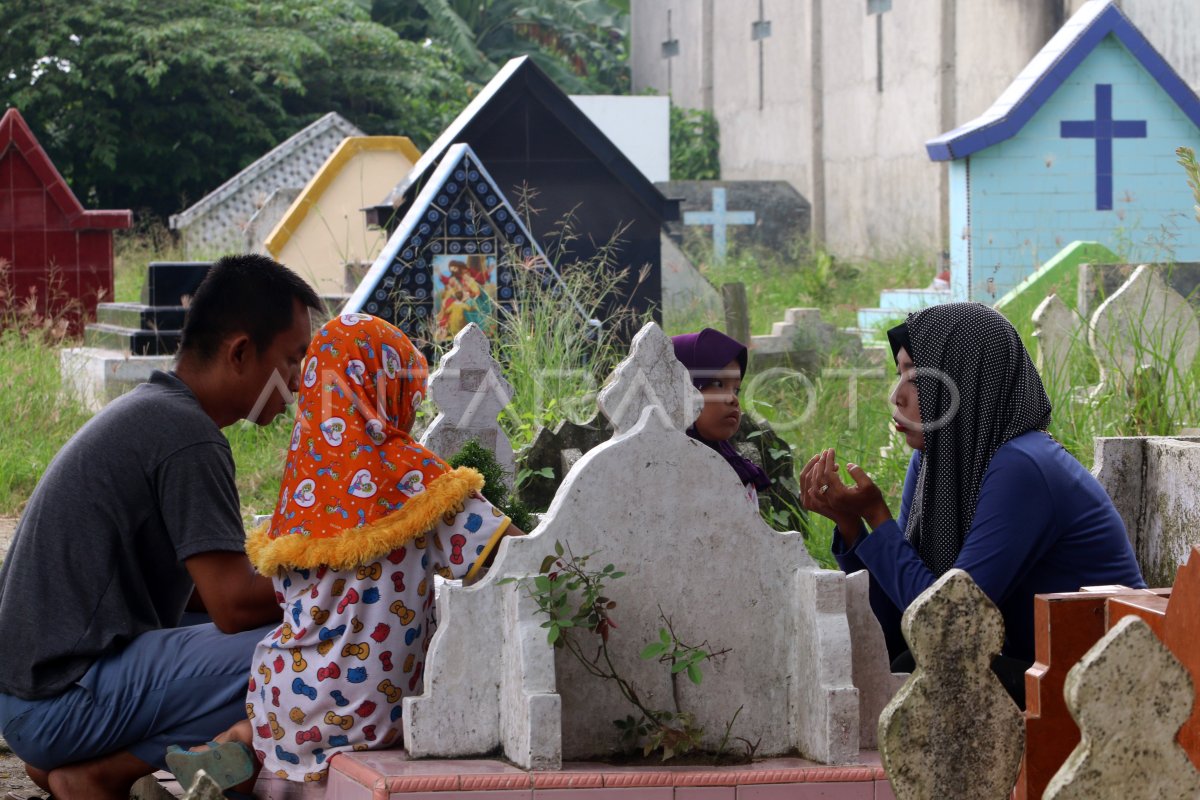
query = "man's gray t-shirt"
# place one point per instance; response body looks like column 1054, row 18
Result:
column 97, row 558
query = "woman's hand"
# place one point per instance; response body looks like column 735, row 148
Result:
column 822, row 491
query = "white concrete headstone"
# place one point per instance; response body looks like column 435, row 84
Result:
column 952, row 730
column 873, row 676
column 1059, row 331
column 1130, row 696
column 650, row 378
column 470, row 392
column 1145, row 325
column 670, row 513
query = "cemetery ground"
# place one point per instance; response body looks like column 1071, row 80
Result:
column 547, row 359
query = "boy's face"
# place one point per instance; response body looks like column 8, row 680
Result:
column 278, row 365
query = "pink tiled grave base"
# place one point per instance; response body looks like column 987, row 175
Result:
column 391, row 774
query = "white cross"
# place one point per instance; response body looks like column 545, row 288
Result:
column 720, row 219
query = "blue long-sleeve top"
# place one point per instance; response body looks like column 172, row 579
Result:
column 1043, row 524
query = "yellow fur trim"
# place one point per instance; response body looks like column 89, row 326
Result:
column 357, row 546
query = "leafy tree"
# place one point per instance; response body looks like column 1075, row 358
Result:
column 695, row 145
column 151, row 104
column 581, row 44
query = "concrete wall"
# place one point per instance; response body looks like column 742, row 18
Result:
column 686, row 77
column 1170, row 25
column 1033, row 194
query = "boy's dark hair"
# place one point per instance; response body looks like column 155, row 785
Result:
column 250, row 294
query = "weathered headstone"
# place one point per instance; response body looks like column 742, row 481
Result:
column 1154, row 482
column 1099, row 280
column 1177, row 624
column 783, row 620
column 873, row 676
column 54, row 254
column 1059, row 332
column 1145, row 331
column 553, row 452
column 952, row 730
column 1066, row 625
column 470, row 392
column 720, row 219
column 777, row 216
column 802, row 340
column 1129, row 696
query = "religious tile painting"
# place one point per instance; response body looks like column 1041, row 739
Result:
column 453, row 258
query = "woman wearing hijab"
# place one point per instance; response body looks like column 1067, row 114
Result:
column 988, row 490
column 717, row 365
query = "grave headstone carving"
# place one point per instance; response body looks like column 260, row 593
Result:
column 1099, row 280
column 53, row 251
column 1145, row 332
column 1129, row 696
column 529, row 134
column 782, row 619
column 1058, row 331
column 873, row 676
column 952, row 730
column 470, row 392
column 1066, row 625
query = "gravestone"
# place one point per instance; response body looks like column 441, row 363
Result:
column 952, row 730
column 873, row 676
column 470, row 392
column 1154, row 482
column 786, row 672
column 1066, row 625
column 54, row 254
column 1079, row 147
column 802, row 340
column 1059, row 332
column 1145, row 332
column 531, row 136
column 216, row 223
column 454, row 257
column 1099, row 280
column 1176, row 623
column 1129, row 696
column 770, row 215
column 324, row 228
column 552, row 453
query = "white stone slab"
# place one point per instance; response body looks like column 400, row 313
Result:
column 873, row 676
column 651, row 377
column 952, row 730
column 93, row 376
column 470, row 391
column 1130, row 696
column 666, row 510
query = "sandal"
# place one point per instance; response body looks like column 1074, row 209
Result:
column 227, row 763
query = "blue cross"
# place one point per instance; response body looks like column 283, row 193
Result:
column 720, row 219
column 1104, row 129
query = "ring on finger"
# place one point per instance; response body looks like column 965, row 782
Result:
column 824, row 488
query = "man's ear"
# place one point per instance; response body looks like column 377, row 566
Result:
column 237, row 351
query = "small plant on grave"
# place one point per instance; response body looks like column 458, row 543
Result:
column 570, row 594
column 476, row 456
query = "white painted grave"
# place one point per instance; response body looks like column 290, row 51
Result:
column 667, row 511
column 470, row 392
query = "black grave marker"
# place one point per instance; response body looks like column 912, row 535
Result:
column 529, row 133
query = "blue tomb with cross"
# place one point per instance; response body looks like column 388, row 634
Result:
column 1081, row 146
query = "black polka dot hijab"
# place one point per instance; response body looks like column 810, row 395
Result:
column 976, row 389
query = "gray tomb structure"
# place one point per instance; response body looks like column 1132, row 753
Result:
column 781, row 214
column 531, row 135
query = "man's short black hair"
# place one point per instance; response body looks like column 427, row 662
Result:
column 250, row 294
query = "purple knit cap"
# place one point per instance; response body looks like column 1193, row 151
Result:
column 706, row 353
